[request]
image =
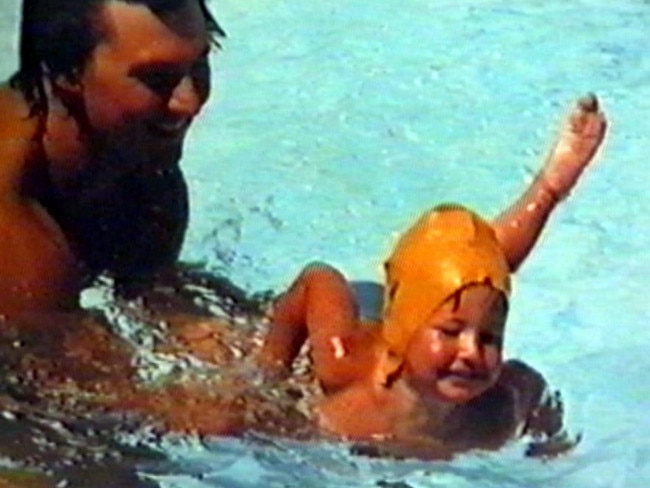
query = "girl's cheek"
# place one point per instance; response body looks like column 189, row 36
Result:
column 441, row 351
column 494, row 358
column 436, row 343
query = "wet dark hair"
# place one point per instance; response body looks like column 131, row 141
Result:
column 58, row 36
column 456, row 296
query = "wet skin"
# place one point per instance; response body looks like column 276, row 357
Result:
column 457, row 355
column 118, row 192
column 149, row 76
column 94, row 185
column 452, row 361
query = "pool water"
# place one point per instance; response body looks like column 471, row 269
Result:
column 333, row 125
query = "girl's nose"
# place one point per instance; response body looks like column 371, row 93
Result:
column 185, row 100
column 469, row 347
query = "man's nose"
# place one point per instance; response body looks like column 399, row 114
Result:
column 185, row 100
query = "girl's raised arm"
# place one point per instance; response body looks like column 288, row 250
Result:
column 520, row 225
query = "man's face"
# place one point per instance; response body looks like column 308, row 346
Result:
column 456, row 356
column 149, row 76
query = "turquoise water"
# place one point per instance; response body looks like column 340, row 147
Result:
column 335, row 123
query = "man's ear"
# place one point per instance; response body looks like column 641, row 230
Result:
column 69, row 92
column 67, row 88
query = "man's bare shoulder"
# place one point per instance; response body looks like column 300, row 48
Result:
column 14, row 106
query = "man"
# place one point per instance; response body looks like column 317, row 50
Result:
column 91, row 133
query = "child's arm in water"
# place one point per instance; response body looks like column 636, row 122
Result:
column 320, row 305
column 519, row 226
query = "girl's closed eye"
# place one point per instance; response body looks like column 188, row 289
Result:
column 449, row 330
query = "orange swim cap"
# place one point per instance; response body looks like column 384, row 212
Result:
column 448, row 248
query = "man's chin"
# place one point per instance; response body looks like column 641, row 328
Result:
column 163, row 152
column 168, row 132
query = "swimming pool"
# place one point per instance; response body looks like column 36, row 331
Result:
column 334, row 124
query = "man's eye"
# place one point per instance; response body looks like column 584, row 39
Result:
column 200, row 74
column 201, row 67
column 160, row 82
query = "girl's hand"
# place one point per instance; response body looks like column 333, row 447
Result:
column 578, row 141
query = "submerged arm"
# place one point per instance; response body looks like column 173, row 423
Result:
column 521, row 224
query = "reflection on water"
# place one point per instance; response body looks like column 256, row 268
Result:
column 63, row 449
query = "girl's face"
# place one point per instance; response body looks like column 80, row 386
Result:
column 456, row 355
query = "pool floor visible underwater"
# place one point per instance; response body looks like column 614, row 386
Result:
column 333, row 125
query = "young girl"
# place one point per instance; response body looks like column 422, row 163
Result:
column 429, row 377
